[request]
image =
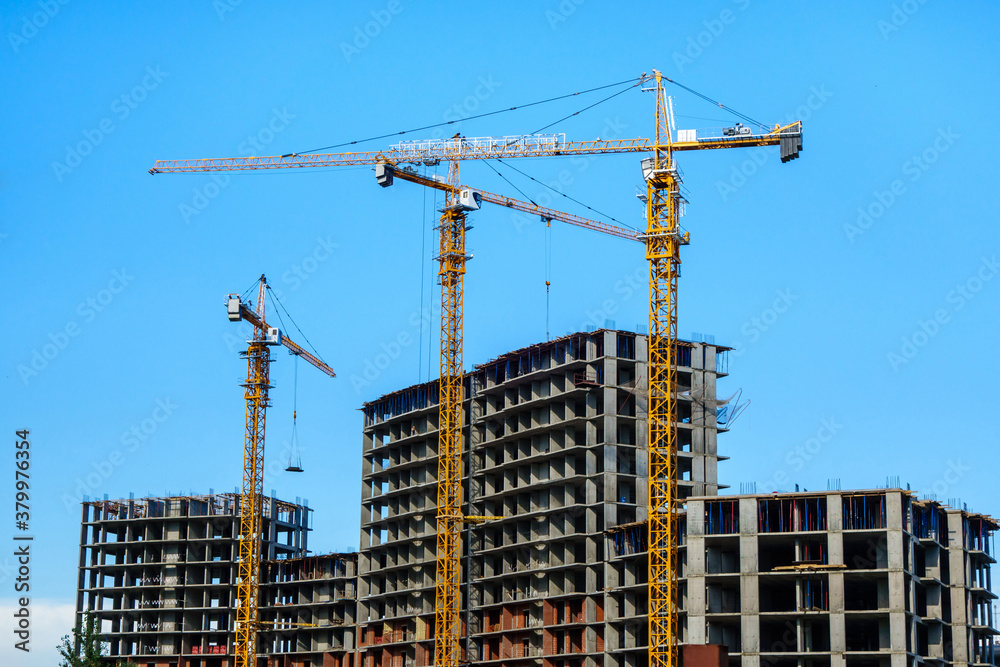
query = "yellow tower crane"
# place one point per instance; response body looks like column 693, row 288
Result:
column 663, row 238
column 459, row 201
column 256, row 387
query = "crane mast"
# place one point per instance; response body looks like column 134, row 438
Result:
column 258, row 357
column 451, row 275
column 663, row 241
column 256, row 387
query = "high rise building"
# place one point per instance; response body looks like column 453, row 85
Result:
column 555, row 442
column 556, row 445
column 159, row 574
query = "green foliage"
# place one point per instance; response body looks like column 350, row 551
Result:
column 90, row 642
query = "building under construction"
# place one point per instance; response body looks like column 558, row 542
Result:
column 555, row 447
column 159, row 574
column 554, row 437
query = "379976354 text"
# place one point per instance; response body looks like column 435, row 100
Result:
column 22, row 540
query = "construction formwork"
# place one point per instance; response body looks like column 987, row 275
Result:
column 159, row 574
column 872, row 578
column 555, row 444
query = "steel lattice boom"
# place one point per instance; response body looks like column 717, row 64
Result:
column 451, row 275
column 447, row 150
column 256, row 393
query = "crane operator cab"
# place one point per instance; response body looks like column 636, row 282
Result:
column 467, row 200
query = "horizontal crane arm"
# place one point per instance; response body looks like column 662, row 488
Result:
column 435, row 151
column 251, row 317
column 788, row 136
column 518, row 205
column 416, row 152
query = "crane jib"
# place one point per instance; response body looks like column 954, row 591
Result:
column 430, row 153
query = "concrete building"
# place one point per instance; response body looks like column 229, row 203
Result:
column 555, row 435
column 556, row 445
column 159, row 573
column 873, row 578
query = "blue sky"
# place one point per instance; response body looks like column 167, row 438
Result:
column 856, row 283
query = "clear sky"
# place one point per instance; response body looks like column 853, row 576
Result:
column 858, row 284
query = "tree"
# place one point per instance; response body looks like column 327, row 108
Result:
column 90, row 644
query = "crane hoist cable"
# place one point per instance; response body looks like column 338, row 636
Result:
column 294, row 457
column 562, row 194
column 423, row 268
column 548, row 274
column 523, row 194
column 736, row 113
column 459, row 120
column 275, row 300
column 577, row 113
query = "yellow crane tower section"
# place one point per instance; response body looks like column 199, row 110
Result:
column 256, row 388
column 663, row 240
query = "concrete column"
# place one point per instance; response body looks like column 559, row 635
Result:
column 696, row 356
column 610, row 484
column 957, row 582
column 894, row 534
column 897, row 629
column 749, row 590
column 838, row 640
column 695, row 574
